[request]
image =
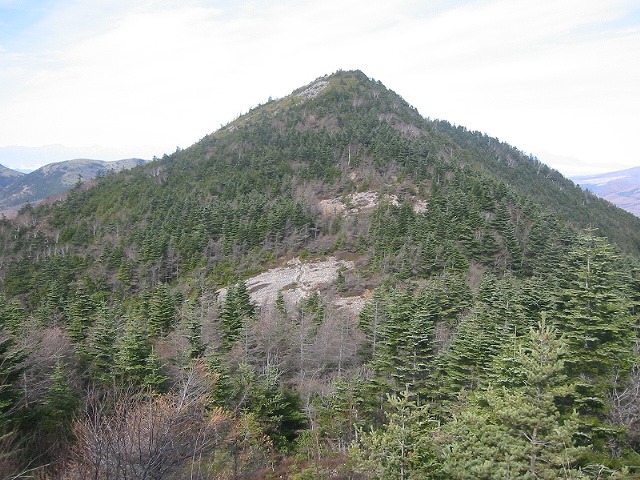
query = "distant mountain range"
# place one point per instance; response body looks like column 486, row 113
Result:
column 621, row 188
column 17, row 188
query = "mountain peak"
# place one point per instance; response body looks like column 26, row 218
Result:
column 8, row 172
column 8, row 175
column 330, row 102
column 385, row 253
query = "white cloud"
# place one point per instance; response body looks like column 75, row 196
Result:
column 548, row 75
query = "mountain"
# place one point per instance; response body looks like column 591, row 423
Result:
column 7, row 176
column 622, row 187
column 32, row 157
column 330, row 286
column 56, row 178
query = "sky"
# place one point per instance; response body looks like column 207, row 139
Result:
column 111, row 79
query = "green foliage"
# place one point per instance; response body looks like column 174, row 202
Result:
column 161, row 310
column 341, row 414
column 276, row 408
column 402, row 448
column 60, row 403
column 594, row 312
column 11, row 366
column 404, row 348
column 469, row 245
column 102, row 348
column 517, row 432
column 236, row 311
column 194, row 338
column 12, row 315
column 135, row 361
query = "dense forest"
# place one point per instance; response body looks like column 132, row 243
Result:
column 495, row 334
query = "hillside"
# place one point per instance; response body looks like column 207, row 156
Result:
column 7, row 175
column 330, row 286
column 56, row 178
column 622, row 187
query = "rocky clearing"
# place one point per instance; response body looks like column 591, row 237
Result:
column 297, row 280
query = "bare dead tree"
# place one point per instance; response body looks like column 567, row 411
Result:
column 625, row 406
column 146, row 437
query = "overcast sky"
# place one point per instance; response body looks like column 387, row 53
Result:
column 112, row 79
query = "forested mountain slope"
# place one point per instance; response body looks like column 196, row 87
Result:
column 486, row 277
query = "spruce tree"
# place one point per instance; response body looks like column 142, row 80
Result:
column 403, row 448
column 236, row 311
column 161, row 310
column 403, row 338
column 196, row 347
column 79, row 313
column 12, row 316
column 593, row 312
column 135, row 361
column 467, row 362
column 513, row 429
column 60, row 402
column 102, row 346
column 11, row 367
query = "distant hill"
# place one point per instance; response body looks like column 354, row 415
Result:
column 8, row 176
column 54, row 178
column 621, row 188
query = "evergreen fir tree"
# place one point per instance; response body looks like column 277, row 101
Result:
column 593, row 312
column 403, row 448
column 517, row 432
column 60, row 402
column 193, row 335
column 161, row 310
column 102, row 346
column 466, row 364
column 236, row 311
column 12, row 316
column 135, row 361
column 400, row 327
column 11, row 367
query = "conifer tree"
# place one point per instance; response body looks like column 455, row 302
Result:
column 102, row 346
column 60, row 401
column 236, row 311
column 403, row 448
column 11, row 367
column 517, row 431
column 154, row 378
column 276, row 407
column 370, row 321
column 12, row 315
column 342, row 413
column 593, row 312
column 79, row 315
column 404, row 340
column 135, row 361
column 194, row 338
column 161, row 310
column 467, row 362
column 281, row 305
